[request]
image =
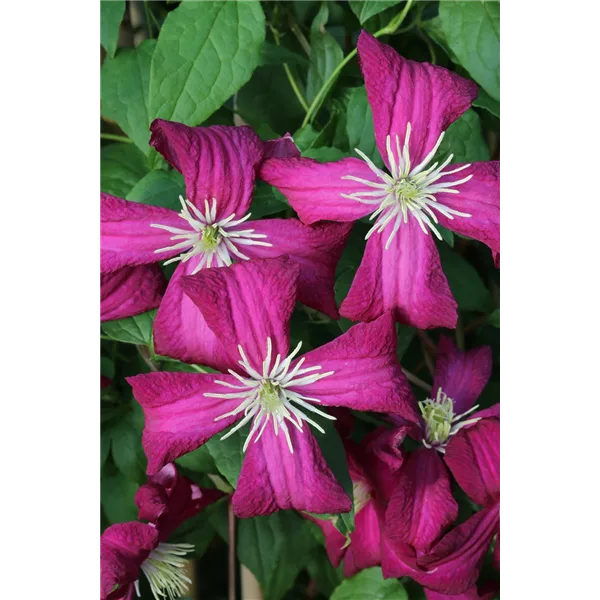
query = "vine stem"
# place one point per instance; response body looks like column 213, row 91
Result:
column 115, row 138
column 418, row 382
column 231, row 555
column 390, row 28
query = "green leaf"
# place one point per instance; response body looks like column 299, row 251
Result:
column 227, row 454
column 124, row 90
column 265, row 202
column 111, row 15
column 321, row 570
column 467, row 288
column 464, row 139
column 324, row 154
column 200, row 460
column 159, row 188
column 132, row 330
column 275, row 548
column 326, row 54
column 484, row 100
column 104, row 447
column 406, row 333
column 494, row 318
column 121, row 167
column 433, row 28
column 365, row 10
column 206, row 51
column 472, row 30
column 370, row 585
column 116, row 494
column 278, row 55
column 107, row 367
column 359, row 125
column 126, row 447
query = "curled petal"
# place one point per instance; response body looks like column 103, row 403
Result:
column 283, row 147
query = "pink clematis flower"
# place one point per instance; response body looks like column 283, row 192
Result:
column 128, row 548
column 219, row 165
column 130, row 291
column 413, row 104
column 248, row 307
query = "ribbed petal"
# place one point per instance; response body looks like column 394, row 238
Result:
column 402, row 91
column 283, row 147
column 216, row 162
column 406, row 278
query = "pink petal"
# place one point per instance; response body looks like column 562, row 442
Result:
column 314, row 189
column 272, row 478
column 478, row 197
column 365, row 541
column 471, row 594
column 247, row 303
column 473, row 456
column 461, row 375
column 406, row 278
column 216, row 162
column 123, row 549
column 130, row 291
column 366, row 373
column 180, row 330
column 179, row 417
column 422, row 505
column 317, row 249
column 126, row 237
column 283, row 147
column 402, row 91
column 335, row 542
column 452, row 565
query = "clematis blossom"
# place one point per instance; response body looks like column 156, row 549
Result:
column 126, row 549
column 212, row 229
column 413, row 104
column 271, row 388
column 130, row 291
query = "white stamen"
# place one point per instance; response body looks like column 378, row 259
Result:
column 273, row 394
column 215, row 241
column 407, row 191
column 164, row 571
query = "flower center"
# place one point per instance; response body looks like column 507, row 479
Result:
column 164, row 571
column 215, row 240
column 407, row 190
column 272, row 396
column 440, row 421
column 362, row 494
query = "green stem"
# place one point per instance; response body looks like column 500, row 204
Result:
column 115, row 138
column 390, row 28
column 416, row 380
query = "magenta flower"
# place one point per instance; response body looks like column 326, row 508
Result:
column 422, row 505
column 130, row 291
column 128, row 548
column 248, row 307
column 413, row 104
column 219, row 165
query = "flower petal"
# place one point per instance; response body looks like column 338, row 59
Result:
column 461, row 375
column 126, row 235
column 366, row 373
column 317, row 249
column 216, row 162
column 406, row 278
column 272, row 478
column 179, row 416
column 473, row 456
column 180, row 330
column 283, row 147
column 365, row 541
column 123, row 549
column 422, row 505
column 335, row 542
column 478, row 197
column 471, row 594
column 130, row 291
column 402, row 91
column 247, row 303
column 314, row 189
column 452, row 565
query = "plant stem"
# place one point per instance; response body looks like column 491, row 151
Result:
column 231, row 556
column 418, row 382
column 115, row 138
column 146, row 358
column 390, row 28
